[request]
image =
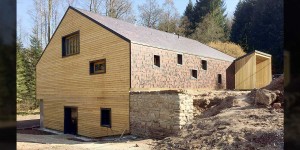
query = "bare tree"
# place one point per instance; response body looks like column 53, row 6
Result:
column 50, row 12
column 118, row 8
column 170, row 17
column 95, row 6
column 150, row 13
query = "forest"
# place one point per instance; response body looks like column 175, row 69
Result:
column 256, row 25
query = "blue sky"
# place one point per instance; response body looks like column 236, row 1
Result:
column 23, row 6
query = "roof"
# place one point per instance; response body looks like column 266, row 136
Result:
column 155, row 38
column 255, row 51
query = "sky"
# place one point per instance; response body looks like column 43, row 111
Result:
column 25, row 20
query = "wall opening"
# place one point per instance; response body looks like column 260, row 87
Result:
column 157, row 60
column 105, row 117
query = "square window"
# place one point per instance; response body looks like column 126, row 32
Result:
column 105, row 117
column 157, row 60
column 179, row 59
column 98, row 66
column 194, row 74
column 219, row 78
column 204, row 64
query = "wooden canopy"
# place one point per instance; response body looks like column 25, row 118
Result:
column 253, row 70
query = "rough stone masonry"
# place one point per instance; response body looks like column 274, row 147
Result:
column 157, row 114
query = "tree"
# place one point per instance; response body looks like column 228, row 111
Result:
column 21, row 87
column 216, row 9
column 26, row 61
column 258, row 25
column 240, row 31
column 120, row 9
column 169, row 19
column 208, row 30
column 150, row 13
column 185, row 26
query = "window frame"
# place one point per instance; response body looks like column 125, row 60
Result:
column 65, row 52
column 192, row 77
column 101, row 121
column 181, row 59
column 202, row 67
column 159, row 64
column 92, row 65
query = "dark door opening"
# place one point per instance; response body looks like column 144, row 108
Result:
column 70, row 120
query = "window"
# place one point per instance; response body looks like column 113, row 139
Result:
column 157, row 60
column 219, row 78
column 194, row 74
column 105, row 117
column 98, row 66
column 70, row 44
column 204, row 64
column 179, row 59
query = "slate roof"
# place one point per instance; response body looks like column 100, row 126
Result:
column 156, row 38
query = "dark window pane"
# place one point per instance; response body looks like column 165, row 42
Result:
column 204, row 64
column 219, row 78
column 179, row 59
column 194, row 74
column 157, row 60
column 106, row 117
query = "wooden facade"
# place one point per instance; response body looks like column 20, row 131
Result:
column 65, row 81
column 253, row 70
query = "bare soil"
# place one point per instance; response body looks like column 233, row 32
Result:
column 229, row 120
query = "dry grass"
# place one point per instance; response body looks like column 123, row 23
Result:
column 228, row 48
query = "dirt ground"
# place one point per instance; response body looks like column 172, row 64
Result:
column 34, row 139
column 232, row 120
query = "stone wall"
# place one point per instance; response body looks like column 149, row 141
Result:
column 171, row 75
column 159, row 114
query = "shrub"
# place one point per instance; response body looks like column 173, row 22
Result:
column 228, row 48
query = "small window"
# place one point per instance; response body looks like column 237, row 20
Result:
column 70, row 44
column 179, row 59
column 204, row 64
column 157, row 60
column 219, row 78
column 194, row 74
column 98, row 66
column 106, row 117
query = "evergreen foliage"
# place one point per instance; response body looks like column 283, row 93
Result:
column 258, row 25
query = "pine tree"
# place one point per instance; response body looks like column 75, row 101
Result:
column 208, row 30
column 21, row 87
column 185, row 26
column 216, row 9
column 258, row 25
column 240, row 32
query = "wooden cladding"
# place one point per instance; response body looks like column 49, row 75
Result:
column 98, row 66
column 76, row 87
column 70, row 44
column 253, row 70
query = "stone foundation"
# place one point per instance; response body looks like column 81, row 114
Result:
column 158, row 114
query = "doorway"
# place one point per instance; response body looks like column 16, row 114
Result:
column 70, row 120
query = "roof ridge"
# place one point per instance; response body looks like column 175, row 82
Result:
column 156, row 30
column 154, row 37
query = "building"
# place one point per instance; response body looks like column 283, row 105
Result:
column 253, row 70
column 92, row 62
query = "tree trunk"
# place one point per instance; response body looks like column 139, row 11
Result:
column 49, row 18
